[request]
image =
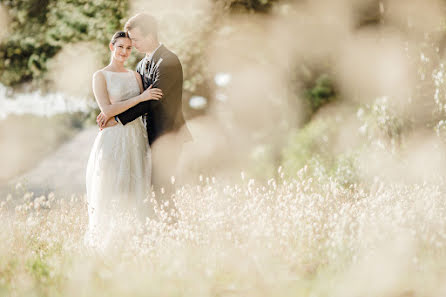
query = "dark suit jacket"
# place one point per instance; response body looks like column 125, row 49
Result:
column 163, row 71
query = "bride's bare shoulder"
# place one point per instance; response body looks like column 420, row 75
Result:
column 99, row 73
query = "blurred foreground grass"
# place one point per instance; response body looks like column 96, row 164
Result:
column 298, row 237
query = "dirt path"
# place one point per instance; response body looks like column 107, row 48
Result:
column 64, row 170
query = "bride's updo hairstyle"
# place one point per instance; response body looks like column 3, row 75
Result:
column 117, row 35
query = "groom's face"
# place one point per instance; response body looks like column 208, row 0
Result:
column 143, row 44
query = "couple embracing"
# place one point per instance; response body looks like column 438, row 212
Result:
column 138, row 110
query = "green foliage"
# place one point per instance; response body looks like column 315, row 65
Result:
column 74, row 21
column 46, row 280
column 305, row 144
column 320, row 93
column 311, row 84
column 24, row 53
column 310, row 149
column 41, row 28
column 39, row 269
column 249, row 5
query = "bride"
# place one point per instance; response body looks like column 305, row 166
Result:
column 119, row 167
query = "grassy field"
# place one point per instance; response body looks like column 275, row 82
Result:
column 297, row 237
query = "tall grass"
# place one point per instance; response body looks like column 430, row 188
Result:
column 299, row 237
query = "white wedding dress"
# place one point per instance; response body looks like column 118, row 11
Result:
column 118, row 170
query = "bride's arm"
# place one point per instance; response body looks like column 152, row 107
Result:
column 103, row 100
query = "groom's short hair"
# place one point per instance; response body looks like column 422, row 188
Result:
column 145, row 22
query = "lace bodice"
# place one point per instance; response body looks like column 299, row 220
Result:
column 121, row 85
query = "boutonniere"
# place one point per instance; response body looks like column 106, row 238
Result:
column 154, row 68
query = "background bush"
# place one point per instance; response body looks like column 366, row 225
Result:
column 39, row 30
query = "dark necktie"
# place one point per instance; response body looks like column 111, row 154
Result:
column 145, row 72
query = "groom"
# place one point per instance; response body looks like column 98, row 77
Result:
column 166, row 128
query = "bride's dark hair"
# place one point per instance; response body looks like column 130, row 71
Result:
column 117, row 35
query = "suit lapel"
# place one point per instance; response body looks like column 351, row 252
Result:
column 155, row 64
column 149, row 69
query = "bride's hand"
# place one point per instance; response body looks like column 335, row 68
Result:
column 151, row 94
column 110, row 123
column 101, row 119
